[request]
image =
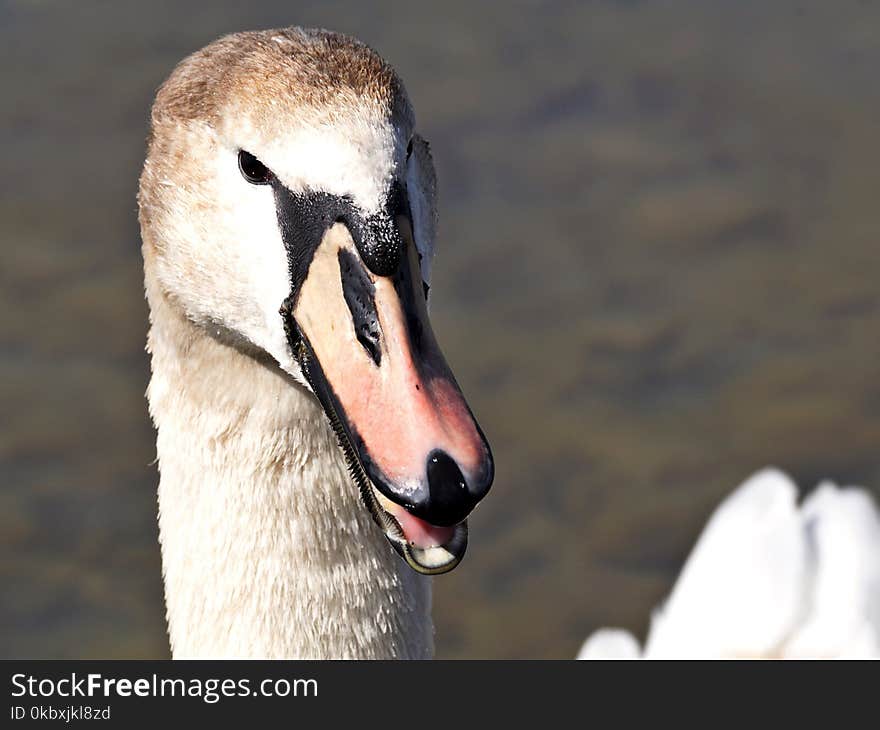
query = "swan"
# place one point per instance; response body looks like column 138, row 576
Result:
column 317, row 460
column 770, row 579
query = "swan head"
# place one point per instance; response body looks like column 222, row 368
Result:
column 287, row 207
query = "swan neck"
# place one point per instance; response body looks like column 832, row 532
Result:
column 267, row 550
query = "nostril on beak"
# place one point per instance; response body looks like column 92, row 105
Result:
column 449, row 500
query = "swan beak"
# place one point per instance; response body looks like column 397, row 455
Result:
column 365, row 344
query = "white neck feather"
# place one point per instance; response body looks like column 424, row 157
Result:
column 267, row 550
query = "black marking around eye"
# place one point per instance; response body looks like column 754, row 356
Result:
column 305, row 217
column 380, row 245
column 303, row 220
column 360, row 296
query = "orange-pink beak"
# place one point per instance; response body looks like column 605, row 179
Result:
column 368, row 349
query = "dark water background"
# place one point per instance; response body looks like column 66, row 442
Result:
column 658, row 272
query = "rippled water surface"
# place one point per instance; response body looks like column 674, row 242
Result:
column 659, row 271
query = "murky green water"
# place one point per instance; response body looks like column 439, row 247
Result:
column 659, row 271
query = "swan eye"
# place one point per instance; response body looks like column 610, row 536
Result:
column 409, row 149
column 254, row 171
